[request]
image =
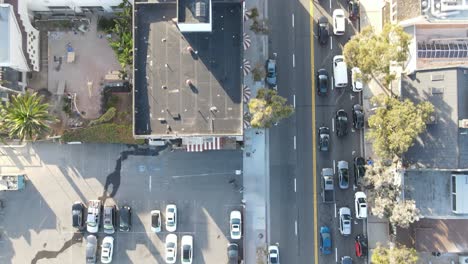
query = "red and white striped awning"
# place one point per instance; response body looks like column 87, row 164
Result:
column 201, row 144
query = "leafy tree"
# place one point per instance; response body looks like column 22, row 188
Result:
column 373, row 53
column 404, row 213
column 396, row 124
column 394, row 255
column 268, row 108
column 25, row 117
column 122, row 43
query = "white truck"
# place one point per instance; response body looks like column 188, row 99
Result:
column 12, row 182
column 328, row 189
column 94, row 214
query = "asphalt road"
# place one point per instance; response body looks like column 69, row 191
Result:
column 292, row 222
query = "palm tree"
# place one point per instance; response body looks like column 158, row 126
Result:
column 25, row 117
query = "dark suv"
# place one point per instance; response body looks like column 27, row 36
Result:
column 322, row 82
column 359, row 169
column 125, row 219
column 322, row 30
column 78, row 215
column 341, row 121
column 358, row 116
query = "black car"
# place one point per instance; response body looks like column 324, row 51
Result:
column 358, row 117
column 125, row 219
column 323, row 30
column 78, row 215
column 360, row 246
column 353, row 9
column 322, row 82
column 233, row 253
column 341, row 121
column 359, row 168
column 324, row 138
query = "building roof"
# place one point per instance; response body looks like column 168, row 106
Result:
column 187, row 84
column 444, row 145
column 193, row 11
column 407, row 9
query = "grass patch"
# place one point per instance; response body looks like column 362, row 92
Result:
column 104, row 133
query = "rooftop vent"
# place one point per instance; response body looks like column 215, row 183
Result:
column 437, row 90
column 200, row 9
column 437, row 77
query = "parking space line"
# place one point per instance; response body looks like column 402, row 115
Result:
column 294, row 142
column 334, row 170
column 294, row 100
column 336, row 255
column 331, row 42
column 333, row 125
column 335, row 210
column 150, row 177
column 332, row 86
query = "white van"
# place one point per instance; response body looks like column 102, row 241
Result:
column 339, row 23
column 340, row 72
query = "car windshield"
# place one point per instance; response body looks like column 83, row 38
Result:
column 274, row 259
column 235, row 221
column 186, row 252
column 155, row 220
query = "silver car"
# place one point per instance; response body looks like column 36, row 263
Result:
column 271, row 72
column 91, row 249
column 343, row 174
column 109, row 219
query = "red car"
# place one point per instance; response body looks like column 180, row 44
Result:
column 353, row 9
column 360, row 246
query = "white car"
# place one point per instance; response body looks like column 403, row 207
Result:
column 186, row 249
column 156, row 221
column 345, row 221
column 338, row 22
column 235, row 221
column 356, row 79
column 107, row 249
column 273, row 254
column 360, row 205
column 171, row 217
column 171, row 248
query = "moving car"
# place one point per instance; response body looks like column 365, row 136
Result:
column 271, row 72
column 345, row 221
column 341, row 122
column 233, row 253
column 356, row 80
column 125, row 220
column 340, row 71
column 322, row 30
column 186, row 248
column 273, row 254
column 156, row 221
column 235, row 220
column 171, row 217
column 107, row 249
column 358, row 116
column 360, row 245
column 94, row 216
column 353, row 9
column 91, row 249
column 338, row 22
column 360, row 205
column 359, row 169
column 325, row 240
column 109, row 219
column 343, row 174
column 322, row 82
column 78, row 215
column 324, row 138
column 346, row 260
column 171, row 248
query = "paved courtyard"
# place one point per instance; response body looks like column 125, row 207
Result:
column 36, row 222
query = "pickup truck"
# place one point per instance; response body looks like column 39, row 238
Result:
column 94, row 214
column 13, row 182
column 328, row 189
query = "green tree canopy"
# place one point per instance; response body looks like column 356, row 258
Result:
column 394, row 255
column 396, row 124
column 122, row 42
column 373, row 53
column 25, row 117
column 268, row 108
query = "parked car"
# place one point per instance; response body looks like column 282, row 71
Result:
column 356, row 79
column 324, row 138
column 273, row 254
column 346, row 260
column 171, row 217
column 171, row 248
column 325, row 240
column 323, row 30
column 125, row 220
column 340, row 71
column 186, row 248
column 360, row 204
column 358, row 116
column 94, row 216
column 78, row 215
column 156, row 221
column 271, row 72
column 345, row 221
column 109, row 219
column 338, row 22
column 235, row 221
column 107, row 249
column 91, row 249
column 359, row 169
column 353, row 9
column 343, row 174
column 360, row 246
column 233, row 253
column 322, row 82
column 341, row 122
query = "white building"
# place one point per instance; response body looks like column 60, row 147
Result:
column 77, row 6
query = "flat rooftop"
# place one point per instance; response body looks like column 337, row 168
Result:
column 193, row 11
column 187, row 84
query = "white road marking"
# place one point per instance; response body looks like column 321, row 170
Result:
column 330, row 5
column 334, row 167
column 335, row 210
column 292, row 20
column 331, row 42
column 333, row 124
column 294, row 100
column 150, row 183
column 294, row 142
column 295, row 227
column 332, row 83
column 294, row 61
column 336, row 255
column 295, row 185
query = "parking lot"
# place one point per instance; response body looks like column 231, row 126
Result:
column 36, row 222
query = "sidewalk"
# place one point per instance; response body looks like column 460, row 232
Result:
column 255, row 156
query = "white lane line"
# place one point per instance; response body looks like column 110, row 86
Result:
column 330, row 5
column 335, row 210
column 331, row 42
column 294, row 142
column 294, row 100
column 295, row 185
column 332, row 83
column 292, row 20
column 150, row 183
column 336, row 255
column 333, row 124
column 295, row 227
column 334, row 167
column 294, row 61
